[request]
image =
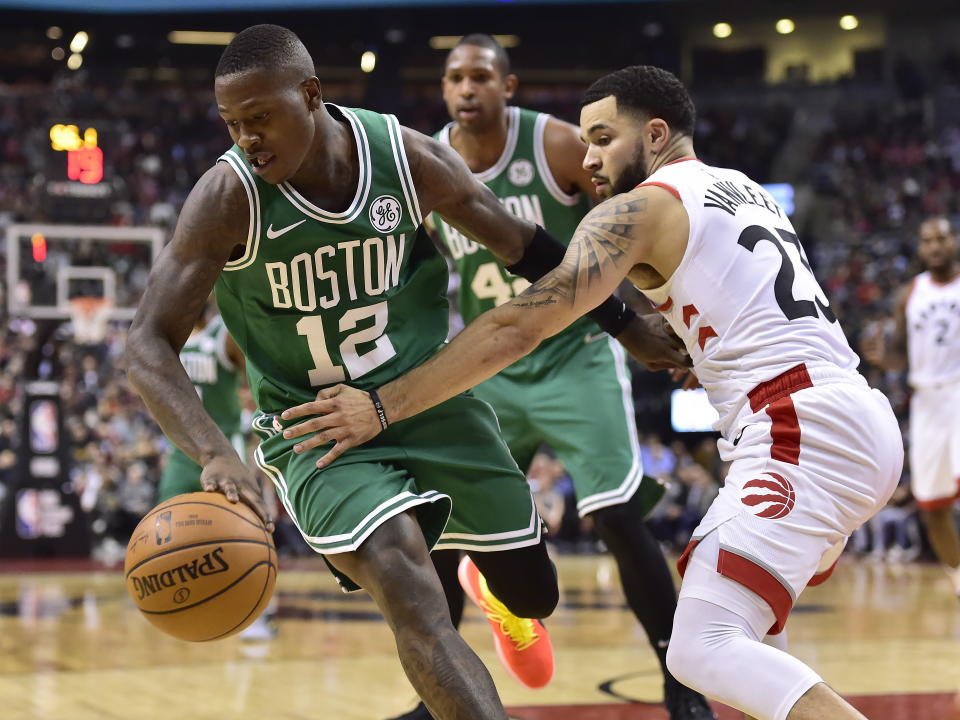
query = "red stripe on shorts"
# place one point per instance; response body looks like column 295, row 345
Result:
column 759, row 580
column 685, row 557
column 775, row 395
column 821, row 578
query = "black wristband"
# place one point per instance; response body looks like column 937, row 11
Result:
column 543, row 254
column 378, row 406
column 612, row 315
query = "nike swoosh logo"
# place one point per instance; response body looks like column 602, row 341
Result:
column 739, row 435
column 272, row 234
column 587, row 339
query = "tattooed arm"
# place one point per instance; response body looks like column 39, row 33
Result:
column 610, row 240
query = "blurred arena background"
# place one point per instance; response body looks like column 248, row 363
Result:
column 849, row 113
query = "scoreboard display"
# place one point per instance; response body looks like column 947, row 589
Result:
column 77, row 183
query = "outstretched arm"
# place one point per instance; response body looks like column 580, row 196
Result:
column 609, row 241
column 211, row 225
column 445, row 185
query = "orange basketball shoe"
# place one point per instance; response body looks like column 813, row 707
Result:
column 523, row 644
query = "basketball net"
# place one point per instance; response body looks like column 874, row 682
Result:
column 89, row 316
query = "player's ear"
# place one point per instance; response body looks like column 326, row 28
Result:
column 311, row 91
column 510, row 83
column 658, row 133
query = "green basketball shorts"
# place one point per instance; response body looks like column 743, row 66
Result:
column 449, row 464
column 583, row 408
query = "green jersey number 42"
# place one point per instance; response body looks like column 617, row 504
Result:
column 488, row 283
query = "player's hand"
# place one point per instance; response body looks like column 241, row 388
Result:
column 226, row 474
column 873, row 346
column 652, row 342
column 344, row 416
column 687, row 379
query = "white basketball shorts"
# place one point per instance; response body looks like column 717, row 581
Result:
column 814, row 455
column 935, row 445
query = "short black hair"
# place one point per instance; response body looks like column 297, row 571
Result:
column 490, row 43
column 649, row 90
column 263, row 47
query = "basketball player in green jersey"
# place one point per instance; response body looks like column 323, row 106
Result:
column 214, row 364
column 310, row 227
column 534, row 163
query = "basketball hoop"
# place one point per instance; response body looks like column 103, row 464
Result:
column 89, row 316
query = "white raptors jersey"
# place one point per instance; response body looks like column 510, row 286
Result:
column 743, row 299
column 933, row 331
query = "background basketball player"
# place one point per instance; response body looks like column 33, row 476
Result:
column 926, row 339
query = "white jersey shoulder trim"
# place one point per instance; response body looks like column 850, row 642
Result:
column 253, row 198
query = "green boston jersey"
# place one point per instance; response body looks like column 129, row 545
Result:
column 204, row 357
column 320, row 297
column 522, row 180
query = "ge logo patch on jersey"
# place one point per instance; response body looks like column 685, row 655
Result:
column 770, row 497
column 520, row 172
column 385, row 213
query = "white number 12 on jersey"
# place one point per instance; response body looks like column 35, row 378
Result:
column 324, row 371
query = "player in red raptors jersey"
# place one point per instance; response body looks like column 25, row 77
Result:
column 927, row 340
column 814, row 451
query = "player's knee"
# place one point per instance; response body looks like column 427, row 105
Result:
column 612, row 516
column 531, row 600
column 700, row 648
column 683, row 661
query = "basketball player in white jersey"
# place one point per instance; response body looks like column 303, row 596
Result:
column 926, row 339
column 814, row 451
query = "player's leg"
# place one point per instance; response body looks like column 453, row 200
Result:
column 516, row 432
column 180, row 475
column 458, row 451
column 717, row 641
column 524, row 579
column 942, row 531
column 600, row 450
column 374, row 528
column 445, row 562
column 393, row 565
column 935, row 465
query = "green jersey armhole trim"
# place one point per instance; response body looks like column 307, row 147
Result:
column 253, row 198
column 543, row 166
column 363, row 184
column 403, row 169
column 513, row 134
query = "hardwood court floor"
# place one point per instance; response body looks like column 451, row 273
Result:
column 72, row 647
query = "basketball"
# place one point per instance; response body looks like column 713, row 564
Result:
column 200, row 567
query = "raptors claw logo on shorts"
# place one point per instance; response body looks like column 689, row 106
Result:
column 773, row 496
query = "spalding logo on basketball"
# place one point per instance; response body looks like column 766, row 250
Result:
column 770, row 497
column 385, row 213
